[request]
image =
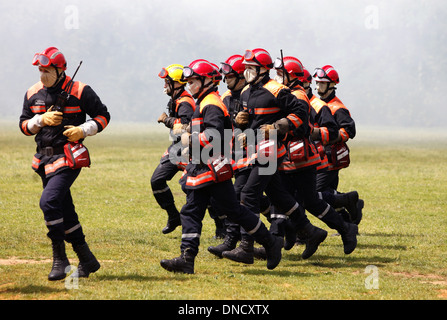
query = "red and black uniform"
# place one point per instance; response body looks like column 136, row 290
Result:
column 267, row 102
column 322, row 119
column 327, row 180
column 231, row 98
column 50, row 161
column 210, row 122
column 181, row 110
column 298, row 171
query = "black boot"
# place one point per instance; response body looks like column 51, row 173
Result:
column 184, row 263
column 228, row 245
column 349, row 202
column 360, row 205
column 173, row 220
column 243, row 253
column 349, row 237
column 60, row 262
column 220, row 228
column 87, row 261
column 312, row 237
column 290, row 237
column 348, row 231
column 273, row 246
column 259, row 253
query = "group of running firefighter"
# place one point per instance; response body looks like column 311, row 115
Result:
column 283, row 146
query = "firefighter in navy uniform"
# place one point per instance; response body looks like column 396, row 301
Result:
column 211, row 178
column 271, row 109
column 233, row 72
column 299, row 167
column 181, row 106
column 323, row 134
column 337, row 151
column 52, row 130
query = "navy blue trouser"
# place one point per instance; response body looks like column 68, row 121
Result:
column 303, row 183
column 255, row 184
column 59, row 212
column 327, row 180
column 225, row 199
column 164, row 172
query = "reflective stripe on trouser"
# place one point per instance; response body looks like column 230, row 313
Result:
column 224, row 198
column 279, row 196
column 59, row 212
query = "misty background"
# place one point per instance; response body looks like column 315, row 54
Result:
column 391, row 55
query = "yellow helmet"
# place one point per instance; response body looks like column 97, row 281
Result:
column 174, row 72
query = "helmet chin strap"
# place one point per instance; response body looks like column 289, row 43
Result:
column 177, row 92
column 59, row 76
column 329, row 89
column 238, row 79
column 294, row 82
column 203, row 86
column 259, row 76
column 327, row 92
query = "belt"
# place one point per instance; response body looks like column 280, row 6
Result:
column 50, row 151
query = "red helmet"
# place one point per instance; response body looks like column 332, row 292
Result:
column 326, row 74
column 258, row 57
column 306, row 76
column 202, row 68
column 50, row 57
column 291, row 65
column 232, row 65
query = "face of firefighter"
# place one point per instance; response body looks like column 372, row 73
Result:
column 250, row 73
column 234, row 83
column 324, row 89
column 231, row 81
column 168, row 89
column 280, row 77
column 306, row 87
column 194, row 86
column 48, row 76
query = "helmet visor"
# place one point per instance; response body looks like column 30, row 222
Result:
column 41, row 59
column 249, row 55
column 250, row 58
column 321, row 74
column 188, row 72
column 163, row 73
column 278, row 64
column 225, row 68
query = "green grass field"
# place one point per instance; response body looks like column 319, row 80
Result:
column 401, row 175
